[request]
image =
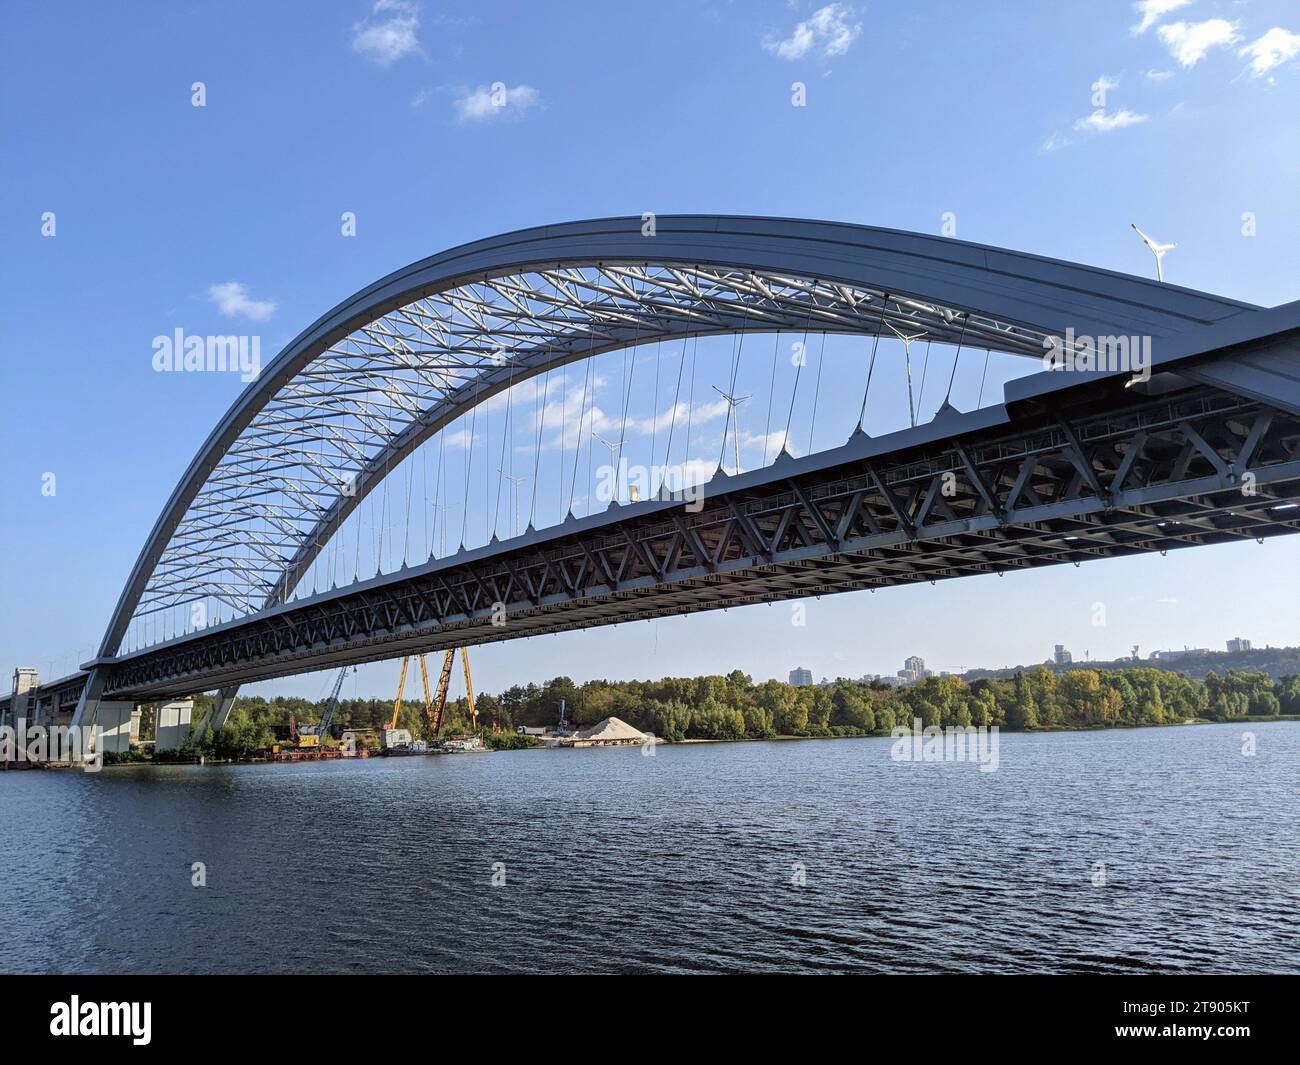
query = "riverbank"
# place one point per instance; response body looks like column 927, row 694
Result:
column 143, row 760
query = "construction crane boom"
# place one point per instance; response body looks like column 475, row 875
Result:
column 469, row 690
column 332, row 704
column 401, row 685
column 444, row 682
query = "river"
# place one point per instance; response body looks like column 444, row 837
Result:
column 816, row 855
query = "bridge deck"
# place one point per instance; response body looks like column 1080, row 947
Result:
column 1073, row 474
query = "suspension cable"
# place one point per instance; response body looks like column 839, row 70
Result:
column 672, row 425
column 731, row 406
column 771, row 393
column 817, row 391
column 501, row 465
column 577, row 447
column 956, row 358
column 925, row 372
column 690, row 404
column 875, row 344
column 798, row 370
column 537, row 455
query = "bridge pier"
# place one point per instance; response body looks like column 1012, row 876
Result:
column 216, row 720
column 117, row 720
column 172, row 724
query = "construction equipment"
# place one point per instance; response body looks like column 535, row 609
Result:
column 327, row 718
column 401, row 686
column 317, row 736
column 435, row 707
column 434, row 711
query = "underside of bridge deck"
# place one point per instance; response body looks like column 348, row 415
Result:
column 1095, row 472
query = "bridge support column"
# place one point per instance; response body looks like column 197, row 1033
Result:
column 221, row 708
column 115, row 720
column 85, row 712
column 173, row 724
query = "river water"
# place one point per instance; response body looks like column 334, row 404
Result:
column 785, row 856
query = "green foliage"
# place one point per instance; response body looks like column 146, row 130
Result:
column 509, row 741
column 733, row 707
column 125, row 757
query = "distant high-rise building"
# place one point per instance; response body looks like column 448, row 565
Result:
column 1061, row 656
column 801, row 678
column 913, row 670
column 1238, row 645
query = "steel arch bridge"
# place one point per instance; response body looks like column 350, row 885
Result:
column 1069, row 466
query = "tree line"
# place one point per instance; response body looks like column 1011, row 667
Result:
column 733, row 707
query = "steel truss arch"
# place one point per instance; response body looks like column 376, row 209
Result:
column 386, row 369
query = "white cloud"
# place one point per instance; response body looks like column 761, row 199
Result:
column 1055, row 143
column 697, row 471
column 771, row 443
column 1152, row 11
column 495, row 101
column 389, row 33
column 702, row 412
column 459, row 438
column 1271, row 50
column 1189, row 41
column 232, row 300
column 1102, row 122
column 828, row 32
column 1159, row 75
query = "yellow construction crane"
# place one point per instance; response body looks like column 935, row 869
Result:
column 434, row 713
column 401, row 686
column 434, row 709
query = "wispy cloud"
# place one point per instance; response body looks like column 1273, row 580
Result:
column 1159, row 75
column 1189, row 41
column 494, row 101
column 1055, row 143
column 1102, row 121
column 1152, row 11
column 232, row 299
column 829, row 32
column 389, row 32
column 768, row 443
column 1271, row 50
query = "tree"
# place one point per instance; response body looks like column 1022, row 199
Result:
column 1023, row 713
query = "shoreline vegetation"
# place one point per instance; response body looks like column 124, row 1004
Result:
column 733, row 707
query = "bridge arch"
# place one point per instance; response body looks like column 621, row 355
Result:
column 449, row 332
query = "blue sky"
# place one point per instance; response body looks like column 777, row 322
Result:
column 169, row 215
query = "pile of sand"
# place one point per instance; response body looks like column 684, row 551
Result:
column 611, row 730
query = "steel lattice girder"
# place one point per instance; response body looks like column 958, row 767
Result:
column 362, row 405
column 378, row 374
column 1117, row 474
